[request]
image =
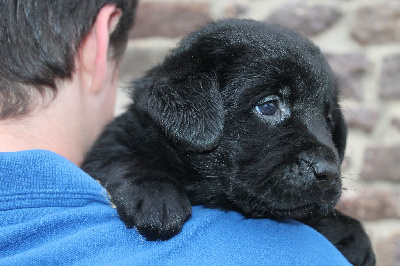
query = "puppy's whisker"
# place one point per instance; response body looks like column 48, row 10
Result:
column 351, row 179
column 342, row 206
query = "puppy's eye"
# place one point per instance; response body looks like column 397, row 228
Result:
column 272, row 110
column 267, row 108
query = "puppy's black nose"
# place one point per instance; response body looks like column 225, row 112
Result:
column 326, row 172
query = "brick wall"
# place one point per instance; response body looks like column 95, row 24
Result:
column 361, row 39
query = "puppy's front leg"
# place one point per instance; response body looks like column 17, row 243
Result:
column 347, row 234
column 153, row 204
column 139, row 180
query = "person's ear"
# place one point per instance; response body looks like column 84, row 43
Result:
column 94, row 51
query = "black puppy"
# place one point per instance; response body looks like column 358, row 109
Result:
column 241, row 116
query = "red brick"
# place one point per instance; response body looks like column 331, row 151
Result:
column 137, row 60
column 307, row 19
column 396, row 123
column 370, row 204
column 350, row 68
column 388, row 251
column 171, row 19
column 361, row 117
column 382, row 163
column 235, row 9
column 390, row 78
column 377, row 24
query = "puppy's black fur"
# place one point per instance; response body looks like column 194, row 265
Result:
column 241, row 116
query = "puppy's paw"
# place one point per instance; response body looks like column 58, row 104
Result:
column 348, row 236
column 157, row 210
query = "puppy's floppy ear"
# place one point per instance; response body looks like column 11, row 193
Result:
column 189, row 110
column 339, row 133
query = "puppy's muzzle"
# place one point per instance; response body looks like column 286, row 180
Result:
column 325, row 166
column 325, row 172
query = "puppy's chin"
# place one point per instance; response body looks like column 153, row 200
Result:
column 293, row 210
column 308, row 201
column 306, row 206
column 304, row 211
column 284, row 194
column 283, row 212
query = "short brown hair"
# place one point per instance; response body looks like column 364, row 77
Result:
column 39, row 40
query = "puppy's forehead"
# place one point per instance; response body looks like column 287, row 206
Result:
column 249, row 54
column 259, row 55
column 233, row 38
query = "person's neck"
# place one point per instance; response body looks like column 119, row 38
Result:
column 40, row 131
column 56, row 124
column 67, row 124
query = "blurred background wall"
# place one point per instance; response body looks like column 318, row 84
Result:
column 361, row 39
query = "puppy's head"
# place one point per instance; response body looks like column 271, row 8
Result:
column 253, row 107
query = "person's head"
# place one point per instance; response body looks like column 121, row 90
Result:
column 58, row 72
column 39, row 43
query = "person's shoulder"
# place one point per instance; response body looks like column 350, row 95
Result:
column 214, row 237
column 224, row 237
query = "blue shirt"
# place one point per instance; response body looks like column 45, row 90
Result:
column 52, row 213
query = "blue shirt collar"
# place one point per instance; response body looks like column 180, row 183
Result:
column 32, row 177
